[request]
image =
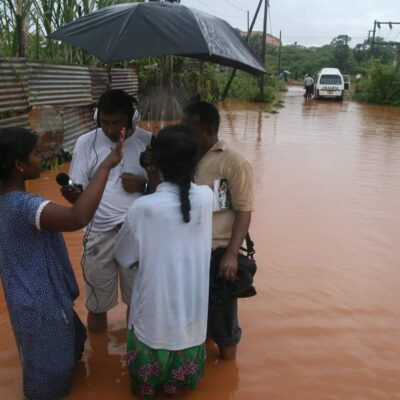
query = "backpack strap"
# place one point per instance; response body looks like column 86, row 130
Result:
column 249, row 247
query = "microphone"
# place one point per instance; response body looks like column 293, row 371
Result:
column 64, row 180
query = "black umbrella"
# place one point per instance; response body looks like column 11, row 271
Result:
column 130, row 31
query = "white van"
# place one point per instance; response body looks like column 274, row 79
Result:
column 330, row 83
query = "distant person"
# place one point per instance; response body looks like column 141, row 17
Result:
column 308, row 86
column 168, row 233
column 38, row 280
column 128, row 182
column 230, row 175
column 286, row 75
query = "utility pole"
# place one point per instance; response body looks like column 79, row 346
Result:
column 228, row 85
column 373, row 35
column 248, row 21
column 264, row 46
column 279, row 53
column 369, row 35
column 390, row 43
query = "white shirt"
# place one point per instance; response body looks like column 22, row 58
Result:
column 308, row 81
column 169, row 301
column 90, row 150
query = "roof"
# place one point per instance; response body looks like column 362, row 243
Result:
column 330, row 71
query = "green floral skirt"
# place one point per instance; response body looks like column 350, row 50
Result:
column 163, row 369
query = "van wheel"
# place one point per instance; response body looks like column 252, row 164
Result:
column 341, row 98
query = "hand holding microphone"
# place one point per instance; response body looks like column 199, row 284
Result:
column 69, row 189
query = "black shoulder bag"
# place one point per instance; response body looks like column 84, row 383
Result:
column 222, row 290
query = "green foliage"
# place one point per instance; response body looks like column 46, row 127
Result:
column 197, row 78
column 300, row 60
column 381, row 84
column 41, row 18
column 364, row 52
column 247, row 87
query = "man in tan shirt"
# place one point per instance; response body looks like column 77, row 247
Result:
column 230, row 176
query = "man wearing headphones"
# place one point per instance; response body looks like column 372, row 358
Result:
column 127, row 182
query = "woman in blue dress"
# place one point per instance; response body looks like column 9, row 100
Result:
column 38, row 280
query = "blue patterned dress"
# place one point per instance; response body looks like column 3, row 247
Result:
column 40, row 289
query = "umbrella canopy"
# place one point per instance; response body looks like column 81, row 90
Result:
column 130, row 31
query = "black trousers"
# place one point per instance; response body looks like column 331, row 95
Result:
column 223, row 321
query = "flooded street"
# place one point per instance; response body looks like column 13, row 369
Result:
column 326, row 321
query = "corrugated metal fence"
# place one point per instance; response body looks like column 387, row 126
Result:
column 31, row 94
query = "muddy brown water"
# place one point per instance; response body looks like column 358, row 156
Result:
column 326, row 321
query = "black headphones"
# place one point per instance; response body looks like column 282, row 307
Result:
column 133, row 114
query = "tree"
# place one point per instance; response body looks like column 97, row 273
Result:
column 341, row 40
column 25, row 26
column 342, row 52
column 365, row 51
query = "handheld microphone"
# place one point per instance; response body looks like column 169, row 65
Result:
column 64, row 180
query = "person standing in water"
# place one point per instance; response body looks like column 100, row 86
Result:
column 36, row 273
column 219, row 167
column 126, row 183
column 168, row 233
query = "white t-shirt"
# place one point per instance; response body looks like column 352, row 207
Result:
column 90, row 150
column 169, row 301
column 308, row 81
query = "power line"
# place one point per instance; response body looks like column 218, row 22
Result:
column 270, row 20
column 386, row 42
column 318, row 37
column 234, row 5
column 216, row 12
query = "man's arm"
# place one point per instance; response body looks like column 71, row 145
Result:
column 241, row 183
column 229, row 263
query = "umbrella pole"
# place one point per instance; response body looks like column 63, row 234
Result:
column 228, row 85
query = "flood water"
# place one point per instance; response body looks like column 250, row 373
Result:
column 326, row 321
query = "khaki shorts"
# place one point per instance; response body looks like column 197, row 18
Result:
column 102, row 271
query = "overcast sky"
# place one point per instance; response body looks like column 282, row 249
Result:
column 310, row 22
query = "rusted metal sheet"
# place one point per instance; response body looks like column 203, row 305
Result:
column 100, row 82
column 13, row 87
column 59, row 85
column 126, row 79
column 21, row 120
column 46, row 121
column 56, row 101
column 76, row 122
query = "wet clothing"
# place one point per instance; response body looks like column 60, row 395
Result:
column 308, row 81
column 90, row 151
column 163, row 370
column 223, row 167
column 168, row 314
column 40, row 289
column 170, row 290
column 230, row 175
column 309, row 86
column 102, row 272
column 223, row 321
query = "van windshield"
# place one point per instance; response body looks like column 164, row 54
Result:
column 330, row 80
